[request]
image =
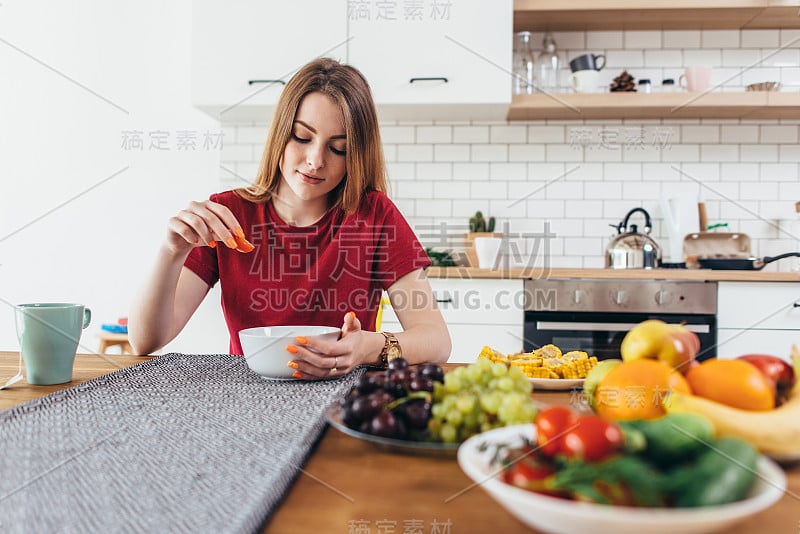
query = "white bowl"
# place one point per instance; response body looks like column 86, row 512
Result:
column 265, row 351
column 550, row 514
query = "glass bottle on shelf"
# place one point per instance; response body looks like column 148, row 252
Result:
column 523, row 78
column 548, row 65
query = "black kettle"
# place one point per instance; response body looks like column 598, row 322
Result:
column 631, row 249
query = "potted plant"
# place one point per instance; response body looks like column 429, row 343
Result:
column 479, row 226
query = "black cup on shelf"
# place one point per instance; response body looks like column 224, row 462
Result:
column 588, row 62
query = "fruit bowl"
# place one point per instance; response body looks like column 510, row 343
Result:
column 265, row 347
column 551, row 514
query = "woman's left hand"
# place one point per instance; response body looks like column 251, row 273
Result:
column 316, row 358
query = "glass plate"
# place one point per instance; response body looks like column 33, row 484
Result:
column 557, row 384
column 428, row 448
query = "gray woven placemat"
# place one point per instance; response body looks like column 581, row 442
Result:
column 180, row 443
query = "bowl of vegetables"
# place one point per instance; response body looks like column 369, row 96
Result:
column 578, row 473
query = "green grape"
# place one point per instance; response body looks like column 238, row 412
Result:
column 477, row 398
column 465, row 402
column 449, row 433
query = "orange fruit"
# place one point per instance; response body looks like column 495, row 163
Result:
column 637, row 389
column 734, row 383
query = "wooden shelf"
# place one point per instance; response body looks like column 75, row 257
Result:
column 565, row 106
column 594, row 15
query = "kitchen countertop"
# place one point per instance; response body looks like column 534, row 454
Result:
column 349, row 485
column 613, row 274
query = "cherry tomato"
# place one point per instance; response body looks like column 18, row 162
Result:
column 551, row 425
column 592, row 439
column 528, row 474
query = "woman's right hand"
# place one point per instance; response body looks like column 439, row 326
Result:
column 205, row 223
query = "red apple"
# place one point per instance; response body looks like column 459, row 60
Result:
column 679, row 348
column 778, row 371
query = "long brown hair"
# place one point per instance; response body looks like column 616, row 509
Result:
column 349, row 90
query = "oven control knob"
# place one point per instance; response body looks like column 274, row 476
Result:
column 620, row 297
column 577, row 296
column 663, row 297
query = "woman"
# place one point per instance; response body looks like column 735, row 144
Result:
column 327, row 241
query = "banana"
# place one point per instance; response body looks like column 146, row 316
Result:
column 775, row 431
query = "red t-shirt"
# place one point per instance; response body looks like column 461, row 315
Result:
column 310, row 275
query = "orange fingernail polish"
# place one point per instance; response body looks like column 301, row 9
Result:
column 239, row 232
column 293, row 365
column 212, row 244
column 303, row 340
column 291, row 348
column 297, row 374
column 351, row 314
column 231, row 242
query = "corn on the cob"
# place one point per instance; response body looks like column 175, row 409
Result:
column 545, row 362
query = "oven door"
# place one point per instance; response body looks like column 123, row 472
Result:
column 601, row 334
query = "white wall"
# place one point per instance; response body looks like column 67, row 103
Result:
column 75, row 77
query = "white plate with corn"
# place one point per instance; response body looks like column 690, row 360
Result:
column 547, row 367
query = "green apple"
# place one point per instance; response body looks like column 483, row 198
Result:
column 595, row 376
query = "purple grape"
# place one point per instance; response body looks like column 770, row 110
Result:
column 398, row 363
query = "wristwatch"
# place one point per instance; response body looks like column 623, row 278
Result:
column 391, row 350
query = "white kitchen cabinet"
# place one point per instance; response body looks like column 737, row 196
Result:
column 243, row 51
column 435, row 60
column 478, row 312
column 757, row 317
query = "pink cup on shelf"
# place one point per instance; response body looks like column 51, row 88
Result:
column 696, row 79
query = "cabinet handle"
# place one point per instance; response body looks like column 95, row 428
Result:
column 251, row 82
column 796, row 305
column 432, row 79
column 448, row 300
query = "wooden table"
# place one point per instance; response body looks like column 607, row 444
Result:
column 349, row 486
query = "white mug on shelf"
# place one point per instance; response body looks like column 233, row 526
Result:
column 584, row 81
column 697, row 79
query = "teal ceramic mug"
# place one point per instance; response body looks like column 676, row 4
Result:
column 48, row 337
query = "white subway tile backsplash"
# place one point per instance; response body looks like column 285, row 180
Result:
column 434, row 171
column 414, row 152
column 525, row 153
column 434, row 134
column 700, row 134
column 758, row 190
column 702, row 58
column 760, row 39
column 720, row 38
column 711, row 153
column 489, row 153
column 779, row 172
column 471, row 171
column 582, row 176
column 569, row 153
column 470, row 134
column 488, row 190
column 451, row 153
column 759, row 153
column 663, row 58
column 452, row 190
column 642, row 39
column 512, row 172
column 624, row 59
column 681, row 39
column 546, row 134
column 596, row 42
column 397, row 134
column 507, row 134
column 741, row 58
column 779, row 134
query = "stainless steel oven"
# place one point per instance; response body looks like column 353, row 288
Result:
column 594, row 315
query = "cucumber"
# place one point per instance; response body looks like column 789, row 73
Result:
column 675, row 438
column 720, row 475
